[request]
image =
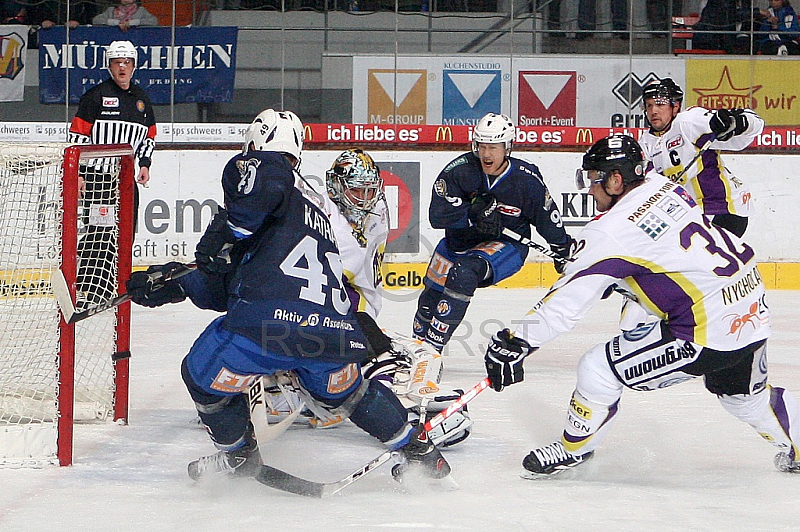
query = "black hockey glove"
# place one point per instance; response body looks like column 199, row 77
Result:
column 564, row 252
column 378, row 342
column 150, row 289
column 213, row 251
column 484, row 215
column 504, row 358
column 728, row 122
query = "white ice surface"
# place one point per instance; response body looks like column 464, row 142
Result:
column 675, row 460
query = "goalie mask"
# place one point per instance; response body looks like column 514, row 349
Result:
column 278, row 131
column 121, row 50
column 494, row 129
column 354, row 183
column 617, row 152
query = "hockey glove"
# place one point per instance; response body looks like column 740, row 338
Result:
column 213, row 251
column 504, row 358
column 728, row 122
column 149, row 288
column 378, row 342
column 564, row 252
column 485, row 217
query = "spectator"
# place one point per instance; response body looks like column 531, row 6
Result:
column 587, row 18
column 126, row 14
column 717, row 26
column 553, row 16
column 658, row 15
column 779, row 22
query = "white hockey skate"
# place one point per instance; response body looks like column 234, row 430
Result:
column 550, row 460
column 239, row 463
column 785, row 462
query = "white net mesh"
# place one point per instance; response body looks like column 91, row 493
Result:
column 31, row 215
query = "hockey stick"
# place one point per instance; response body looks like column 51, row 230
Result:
column 699, row 154
column 258, row 415
column 72, row 315
column 275, row 478
column 533, row 245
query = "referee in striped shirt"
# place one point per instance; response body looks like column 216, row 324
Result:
column 116, row 111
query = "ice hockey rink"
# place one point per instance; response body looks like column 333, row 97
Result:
column 675, row 460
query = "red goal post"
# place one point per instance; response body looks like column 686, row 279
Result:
column 53, row 374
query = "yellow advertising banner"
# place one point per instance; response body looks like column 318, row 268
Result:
column 769, row 87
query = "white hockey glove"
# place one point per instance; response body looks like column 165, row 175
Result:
column 504, row 358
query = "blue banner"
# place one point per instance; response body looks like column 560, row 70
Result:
column 203, row 62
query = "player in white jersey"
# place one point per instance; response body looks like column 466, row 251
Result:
column 700, row 282
column 675, row 138
column 360, row 220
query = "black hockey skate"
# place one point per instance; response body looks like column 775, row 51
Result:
column 421, row 451
column 242, row 462
column 550, row 460
column 785, row 462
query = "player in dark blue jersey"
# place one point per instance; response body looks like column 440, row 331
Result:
column 475, row 197
column 270, row 261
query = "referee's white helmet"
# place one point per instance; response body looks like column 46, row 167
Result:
column 121, row 50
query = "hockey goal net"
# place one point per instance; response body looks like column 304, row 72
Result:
column 70, row 208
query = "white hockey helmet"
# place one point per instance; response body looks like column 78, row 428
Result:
column 279, row 131
column 121, row 50
column 354, row 181
column 494, row 129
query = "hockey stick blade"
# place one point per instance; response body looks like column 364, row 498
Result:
column 275, row 478
column 60, row 289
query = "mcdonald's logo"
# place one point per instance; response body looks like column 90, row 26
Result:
column 584, row 136
column 444, row 133
column 308, row 135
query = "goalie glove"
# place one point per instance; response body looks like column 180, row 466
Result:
column 484, row 216
column 504, row 358
column 155, row 287
column 564, row 252
column 213, row 252
column 728, row 122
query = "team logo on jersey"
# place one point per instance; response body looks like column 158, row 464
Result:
column 247, row 175
column 653, row 226
column 440, row 187
column 443, row 308
column 140, row 106
column 680, row 191
column 674, row 143
column 672, row 208
column 509, row 210
column 110, row 101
